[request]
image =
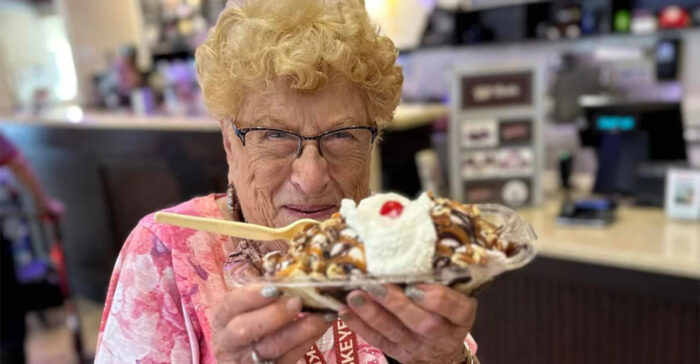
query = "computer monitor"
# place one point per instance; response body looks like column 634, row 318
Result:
column 626, row 134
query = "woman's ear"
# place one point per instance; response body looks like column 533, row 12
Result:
column 226, row 131
column 227, row 139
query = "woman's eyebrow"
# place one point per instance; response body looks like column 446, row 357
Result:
column 273, row 122
column 347, row 121
column 267, row 121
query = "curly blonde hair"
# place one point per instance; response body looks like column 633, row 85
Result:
column 304, row 42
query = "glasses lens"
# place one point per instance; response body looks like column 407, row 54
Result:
column 277, row 143
column 349, row 143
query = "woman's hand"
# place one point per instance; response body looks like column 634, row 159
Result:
column 257, row 319
column 425, row 324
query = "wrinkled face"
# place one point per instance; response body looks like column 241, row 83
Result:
column 276, row 191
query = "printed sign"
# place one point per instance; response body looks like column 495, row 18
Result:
column 479, row 133
column 515, row 132
column 498, row 163
column 512, row 192
column 496, row 90
column 496, row 146
column 683, row 193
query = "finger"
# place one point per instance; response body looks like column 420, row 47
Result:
column 246, row 328
column 457, row 308
column 240, row 300
column 307, row 329
column 372, row 336
column 378, row 318
column 420, row 321
column 296, row 353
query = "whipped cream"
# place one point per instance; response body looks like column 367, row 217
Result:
column 395, row 243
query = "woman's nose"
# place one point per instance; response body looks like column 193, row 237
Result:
column 310, row 170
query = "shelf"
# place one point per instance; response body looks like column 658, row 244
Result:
column 666, row 33
column 479, row 5
column 497, row 178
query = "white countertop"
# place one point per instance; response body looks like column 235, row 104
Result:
column 641, row 239
column 407, row 116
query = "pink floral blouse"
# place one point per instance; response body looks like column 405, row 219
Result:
column 167, row 280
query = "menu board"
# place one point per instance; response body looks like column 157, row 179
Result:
column 495, row 142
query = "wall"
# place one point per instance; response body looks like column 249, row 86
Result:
column 96, row 29
column 23, row 56
column 404, row 20
column 691, row 100
column 691, row 78
column 6, row 98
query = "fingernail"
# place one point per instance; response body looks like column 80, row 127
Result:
column 414, row 293
column 330, row 317
column 269, row 292
column 293, row 304
column 378, row 290
column 356, row 300
column 345, row 316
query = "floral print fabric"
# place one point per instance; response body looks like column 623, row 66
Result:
column 165, row 284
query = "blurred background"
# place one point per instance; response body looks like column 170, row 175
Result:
column 583, row 115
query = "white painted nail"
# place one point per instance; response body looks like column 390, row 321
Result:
column 269, row 292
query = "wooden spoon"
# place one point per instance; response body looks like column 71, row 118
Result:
column 234, row 228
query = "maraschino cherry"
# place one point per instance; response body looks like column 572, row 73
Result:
column 391, row 209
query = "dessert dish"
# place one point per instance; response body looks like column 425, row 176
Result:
column 388, row 238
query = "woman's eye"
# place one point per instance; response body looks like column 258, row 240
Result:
column 276, row 135
column 341, row 135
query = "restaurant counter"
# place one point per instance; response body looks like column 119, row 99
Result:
column 642, row 239
column 627, row 293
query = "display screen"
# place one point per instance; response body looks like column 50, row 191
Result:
column 616, row 122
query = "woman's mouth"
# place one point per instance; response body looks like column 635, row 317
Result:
column 310, row 211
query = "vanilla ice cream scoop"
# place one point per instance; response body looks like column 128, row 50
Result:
column 398, row 234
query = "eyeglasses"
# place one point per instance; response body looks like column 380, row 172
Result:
column 337, row 145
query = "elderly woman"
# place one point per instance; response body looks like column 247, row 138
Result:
column 301, row 88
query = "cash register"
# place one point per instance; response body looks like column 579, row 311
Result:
column 635, row 143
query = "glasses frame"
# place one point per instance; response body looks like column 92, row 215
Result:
column 241, row 133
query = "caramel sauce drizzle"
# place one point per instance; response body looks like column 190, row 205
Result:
column 486, row 235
